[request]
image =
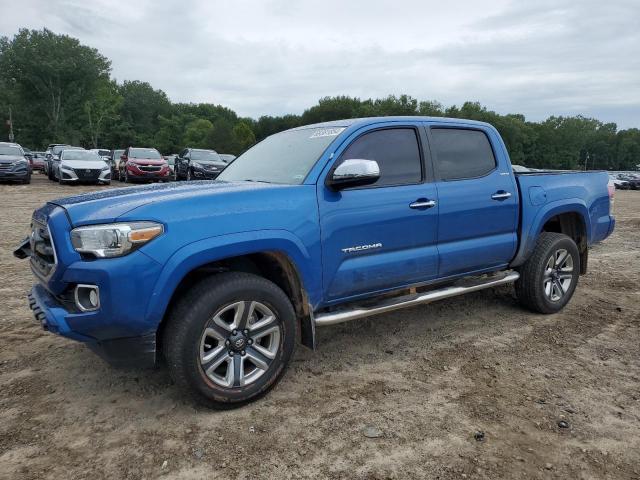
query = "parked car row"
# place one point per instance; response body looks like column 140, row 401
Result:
column 625, row 180
column 68, row 164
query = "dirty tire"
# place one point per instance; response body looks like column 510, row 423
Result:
column 182, row 338
column 530, row 288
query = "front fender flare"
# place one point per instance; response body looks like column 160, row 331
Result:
column 208, row 250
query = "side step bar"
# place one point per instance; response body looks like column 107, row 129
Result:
column 390, row 304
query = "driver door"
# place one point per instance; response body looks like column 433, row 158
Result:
column 381, row 236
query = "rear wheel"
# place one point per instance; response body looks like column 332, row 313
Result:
column 549, row 277
column 230, row 339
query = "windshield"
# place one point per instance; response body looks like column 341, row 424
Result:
column 285, row 157
column 10, row 150
column 205, row 156
column 80, row 155
column 227, row 157
column 150, row 153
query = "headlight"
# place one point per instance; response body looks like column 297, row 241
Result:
column 106, row 167
column 20, row 163
column 114, row 239
column 197, row 165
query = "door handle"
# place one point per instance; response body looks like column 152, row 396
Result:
column 423, row 203
column 501, row 195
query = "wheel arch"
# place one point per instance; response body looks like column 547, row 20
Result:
column 275, row 259
column 568, row 217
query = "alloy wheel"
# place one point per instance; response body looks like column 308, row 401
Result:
column 239, row 343
column 558, row 275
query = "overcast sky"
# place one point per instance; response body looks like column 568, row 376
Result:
column 540, row 58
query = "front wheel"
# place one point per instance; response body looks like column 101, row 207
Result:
column 230, row 339
column 549, row 277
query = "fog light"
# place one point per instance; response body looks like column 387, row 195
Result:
column 87, row 297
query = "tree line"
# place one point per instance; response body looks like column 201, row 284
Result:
column 60, row 91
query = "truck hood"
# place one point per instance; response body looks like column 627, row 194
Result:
column 107, row 205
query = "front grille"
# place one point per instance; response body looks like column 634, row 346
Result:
column 5, row 166
column 87, row 173
column 211, row 168
column 150, row 168
column 43, row 258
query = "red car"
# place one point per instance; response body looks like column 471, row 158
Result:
column 143, row 165
column 37, row 161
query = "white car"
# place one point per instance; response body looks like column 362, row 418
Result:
column 77, row 166
column 103, row 152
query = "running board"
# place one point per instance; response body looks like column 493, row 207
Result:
column 390, row 304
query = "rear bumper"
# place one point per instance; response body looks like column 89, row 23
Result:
column 53, row 316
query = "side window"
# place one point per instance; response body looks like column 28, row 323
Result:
column 462, row 153
column 397, row 152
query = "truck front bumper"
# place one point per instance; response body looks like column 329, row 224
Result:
column 53, row 315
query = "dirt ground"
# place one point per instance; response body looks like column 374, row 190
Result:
column 424, row 379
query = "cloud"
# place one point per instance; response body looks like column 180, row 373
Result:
column 276, row 56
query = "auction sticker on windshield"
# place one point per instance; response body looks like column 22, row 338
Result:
column 327, row 132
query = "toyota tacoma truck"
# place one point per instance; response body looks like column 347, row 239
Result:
column 312, row 226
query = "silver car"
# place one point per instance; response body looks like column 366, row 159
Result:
column 76, row 166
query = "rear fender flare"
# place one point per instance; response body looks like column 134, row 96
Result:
column 531, row 232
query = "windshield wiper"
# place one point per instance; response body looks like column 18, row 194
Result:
column 255, row 181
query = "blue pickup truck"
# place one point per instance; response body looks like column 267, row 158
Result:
column 312, row 226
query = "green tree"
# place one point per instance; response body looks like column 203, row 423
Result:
column 101, row 109
column 52, row 75
column 197, row 133
column 243, row 137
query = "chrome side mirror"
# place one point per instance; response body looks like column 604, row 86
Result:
column 354, row 172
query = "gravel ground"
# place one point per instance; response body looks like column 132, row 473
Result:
column 424, row 382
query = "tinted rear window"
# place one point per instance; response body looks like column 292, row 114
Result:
column 462, row 153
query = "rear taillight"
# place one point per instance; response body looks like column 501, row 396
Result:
column 612, row 192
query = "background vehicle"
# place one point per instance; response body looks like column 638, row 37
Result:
column 143, row 165
column 632, row 179
column 103, row 152
column 114, row 163
column 53, row 159
column 312, row 226
column 38, row 161
column 198, row 164
column 53, row 149
column 227, row 157
column 77, row 165
column 14, row 165
column 171, row 161
column 619, row 184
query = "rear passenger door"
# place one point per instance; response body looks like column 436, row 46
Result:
column 477, row 225
column 380, row 236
